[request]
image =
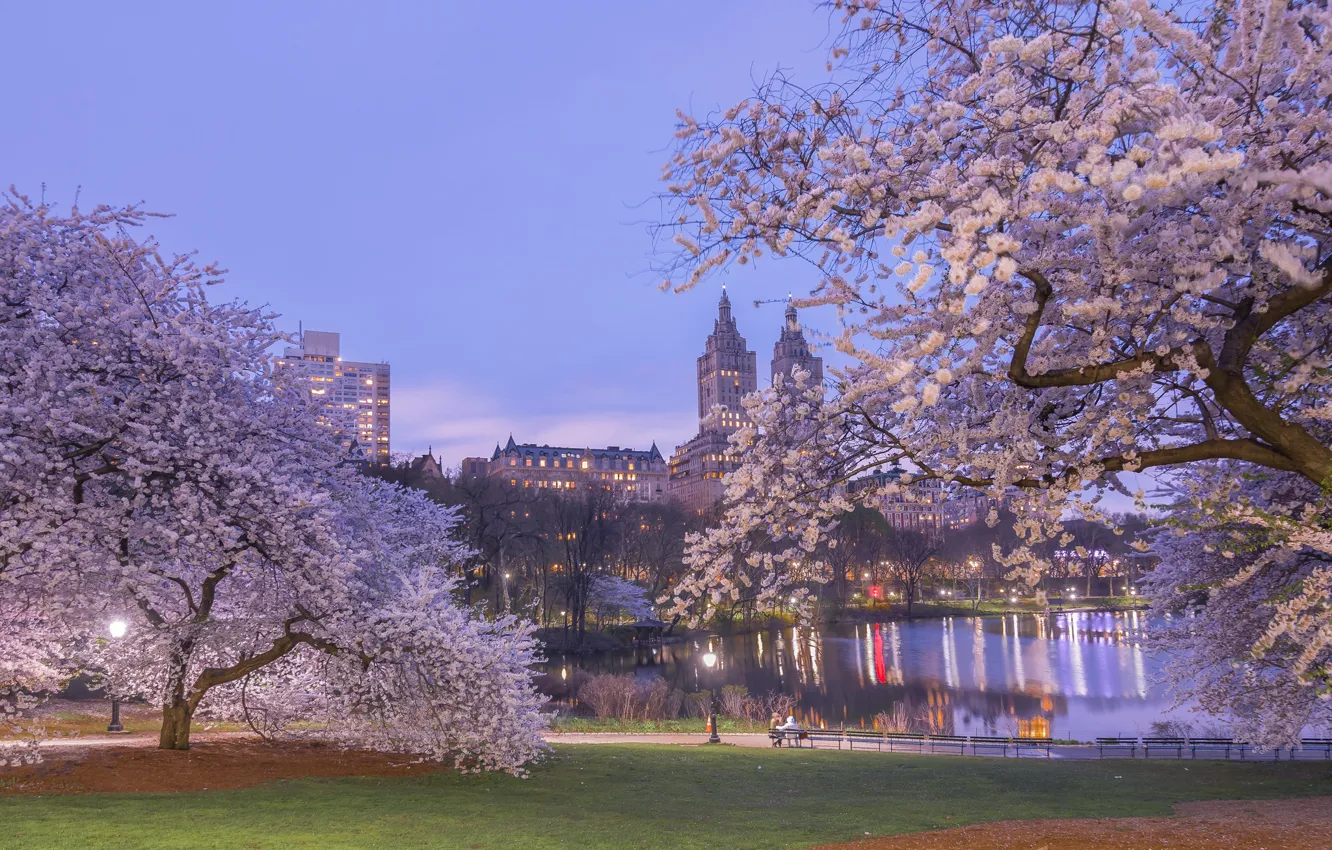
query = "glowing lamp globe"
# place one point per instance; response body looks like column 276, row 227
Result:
column 117, row 628
column 710, row 659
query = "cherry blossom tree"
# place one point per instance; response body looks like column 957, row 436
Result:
column 1246, row 572
column 612, row 596
column 1066, row 240
column 154, row 468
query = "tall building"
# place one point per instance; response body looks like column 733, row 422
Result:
column 632, row 474
column 727, row 372
column 353, row 397
column 792, row 350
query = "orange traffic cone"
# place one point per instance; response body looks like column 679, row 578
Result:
column 708, row 726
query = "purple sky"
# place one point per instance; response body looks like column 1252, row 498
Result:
column 457, row 188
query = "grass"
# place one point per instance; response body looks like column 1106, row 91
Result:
column 642, row 797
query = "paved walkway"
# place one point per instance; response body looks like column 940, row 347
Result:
column 760, row 739
column 738, row 739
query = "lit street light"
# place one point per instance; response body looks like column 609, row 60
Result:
column 117, row 628
column 710, row 661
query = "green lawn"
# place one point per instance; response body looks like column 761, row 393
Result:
column 640, row 796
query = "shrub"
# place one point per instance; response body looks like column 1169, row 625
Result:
column 896, row 720
column 735, row 701
column 698, row 704
column 610, row 696
column 626, row 698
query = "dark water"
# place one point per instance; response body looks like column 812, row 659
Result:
column 1068, row 675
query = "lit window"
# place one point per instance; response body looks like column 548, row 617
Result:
column 528, row 462
column 542, row 462
column 584, row 464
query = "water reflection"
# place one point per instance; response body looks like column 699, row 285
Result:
column 1067, row 675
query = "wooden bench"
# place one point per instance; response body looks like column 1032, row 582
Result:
column 1112, row 744
column 982, row 742
column 1176, row 744
column 1214, row 745
column 1314, row 745
column 826, row 735
column 904, row 739
column 1032, row 744
column 865, row 737
column 790, row 736
column 946, row 741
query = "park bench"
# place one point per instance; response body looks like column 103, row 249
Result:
column 826, row 735
column 1176, row 744
column 1215, row 745
column 866, row 737
column 946, row 741
column 904, row 739
column 982, row 742
column 792, row 737
column 1113, row 744
column 1032, row 744
column 1314, row 745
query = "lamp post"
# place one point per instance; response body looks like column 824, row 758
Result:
column 710, row 661
column 117, row 628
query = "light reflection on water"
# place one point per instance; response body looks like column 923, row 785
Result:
column 1068, row 675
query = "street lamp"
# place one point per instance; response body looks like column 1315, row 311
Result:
column 117, row 628
column 710, row 661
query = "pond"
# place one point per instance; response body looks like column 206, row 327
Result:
column 1070, row 675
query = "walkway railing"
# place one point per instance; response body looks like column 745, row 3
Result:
column 1017, row 747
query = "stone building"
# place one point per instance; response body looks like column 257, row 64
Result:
column 727, row 372
column 792, row 350
column 925, row 505
column 632, row 474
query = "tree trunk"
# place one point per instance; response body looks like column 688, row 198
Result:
column 176, row 717
column 176, row 709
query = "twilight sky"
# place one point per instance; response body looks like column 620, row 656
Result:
column 461, row 189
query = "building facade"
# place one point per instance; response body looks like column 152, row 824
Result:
column 632, row 474
column 925, row 505
column 352, row 397
column 727, row 372
column 792, row 350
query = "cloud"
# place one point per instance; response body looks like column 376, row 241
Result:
column 456, row 422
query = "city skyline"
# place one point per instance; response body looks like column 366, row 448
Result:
column 333, row 175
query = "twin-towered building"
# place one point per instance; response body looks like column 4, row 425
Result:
column 727, row 372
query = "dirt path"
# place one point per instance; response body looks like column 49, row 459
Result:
column 213, row 763
column 1220, row 825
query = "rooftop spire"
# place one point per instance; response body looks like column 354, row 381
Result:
column 724, row 307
